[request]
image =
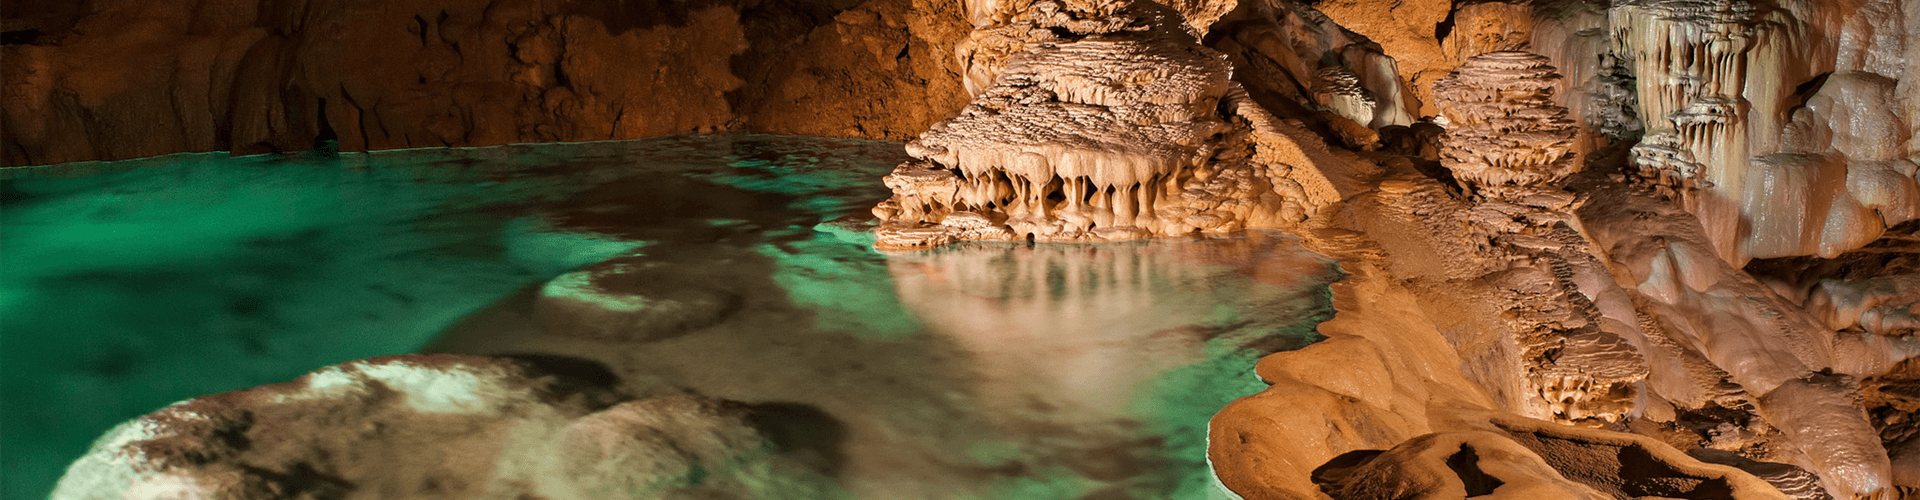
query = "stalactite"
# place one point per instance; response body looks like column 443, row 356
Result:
column 1115, row 97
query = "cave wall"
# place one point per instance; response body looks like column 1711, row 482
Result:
column 115, row 79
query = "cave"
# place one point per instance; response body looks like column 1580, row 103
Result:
column 960, row 249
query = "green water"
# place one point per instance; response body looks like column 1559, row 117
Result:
column 979, row 371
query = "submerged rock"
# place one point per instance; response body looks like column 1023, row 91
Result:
column 626, row 301
column 431, row 426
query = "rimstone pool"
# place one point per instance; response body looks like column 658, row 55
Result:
column 716, row 264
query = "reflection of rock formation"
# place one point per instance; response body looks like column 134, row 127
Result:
column 1102, row 121
column 426, row 426
column 1075, row 329
column 630, row 301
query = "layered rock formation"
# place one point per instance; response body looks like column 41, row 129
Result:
column 1596, row 315
column 1547, row 208
column 1505, row 137
column 1579, row 323
column 1637, row 319
column 1100, row 121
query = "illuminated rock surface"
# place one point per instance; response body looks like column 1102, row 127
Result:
column 1592, row 249
column 1098, row 122
column 433, row 426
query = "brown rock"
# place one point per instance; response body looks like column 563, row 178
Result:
column 1408, row 30
column 129, row 79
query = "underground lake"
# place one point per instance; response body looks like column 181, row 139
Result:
column 731, row 266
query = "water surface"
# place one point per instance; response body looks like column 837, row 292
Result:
column 686, row 263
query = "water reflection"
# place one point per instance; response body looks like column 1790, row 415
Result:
column 1058, row 371
column 992, row 371
column 1074, row 353
column 1068, row 332
column 133, row 284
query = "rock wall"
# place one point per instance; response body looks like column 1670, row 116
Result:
column 104, row 80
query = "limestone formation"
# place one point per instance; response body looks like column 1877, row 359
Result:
column 1295, row 60
column 1563, row 223
column 1662, row 163
column 1727, row 83
column 1795, row 365
column 1409, row 30
column 1114, row 125
column 1505, row 137
column 428, row 426
column 1880, row 306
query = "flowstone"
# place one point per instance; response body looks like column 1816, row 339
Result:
column 1106, row 121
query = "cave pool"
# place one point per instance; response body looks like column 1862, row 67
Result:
column 989, row 371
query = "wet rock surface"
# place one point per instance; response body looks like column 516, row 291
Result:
column 1646, row 248
column 430, row 426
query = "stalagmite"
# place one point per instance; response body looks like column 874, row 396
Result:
column 1505, row 136
column 1591, row 249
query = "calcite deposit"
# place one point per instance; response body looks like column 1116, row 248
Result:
column 1593, row 249
column 1505, row 136
column 1100, row 121
column 1596, row 218
column 431, row 426
column 1756, row 104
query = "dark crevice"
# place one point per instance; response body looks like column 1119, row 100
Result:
column 360, row 119
column 420, row 27
column 804, row 433
column 1440, row 31
column 19, row 37
column 326, row 139
column 1805, row 91
column 1466, row 464
column 613, row 131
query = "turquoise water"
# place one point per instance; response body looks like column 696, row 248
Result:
column 978, row 371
